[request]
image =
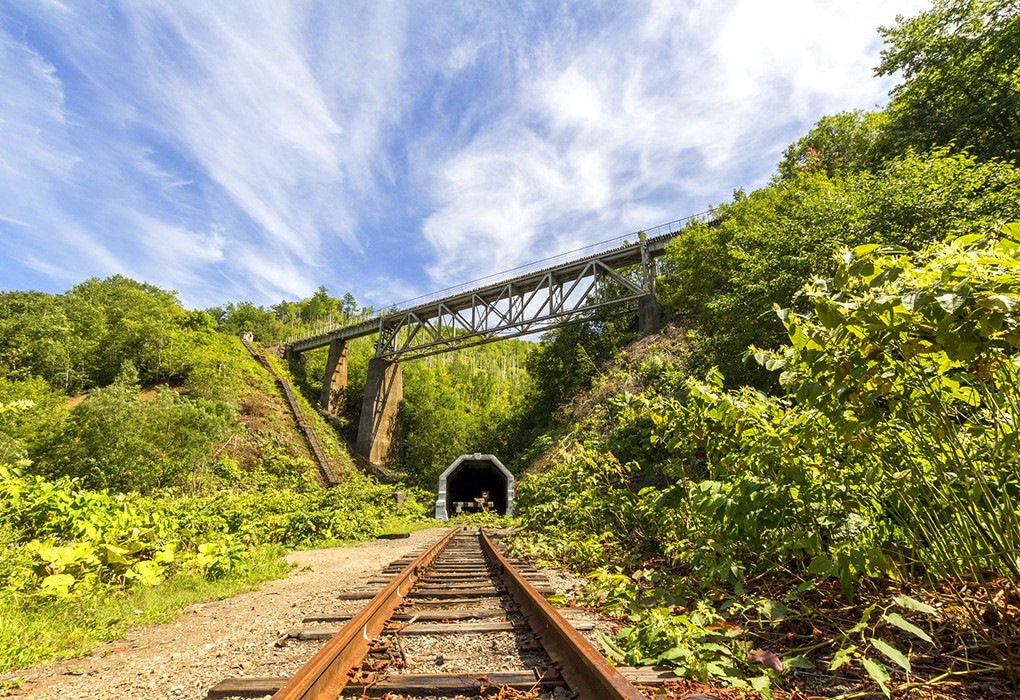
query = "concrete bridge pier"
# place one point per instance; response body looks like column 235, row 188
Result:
column 378, row 434
column 649, row 314
column 334, row 383
column 649, row 311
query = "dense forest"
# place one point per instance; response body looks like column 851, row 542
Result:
column 805, row 482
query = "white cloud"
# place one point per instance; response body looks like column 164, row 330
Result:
column 38, row 159
column 276, row 275
column 243, row 101
column 33, row 127
column 256, row 150
column 655, row 115
column 262, row 123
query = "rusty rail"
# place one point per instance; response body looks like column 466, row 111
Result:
column 580, row 666
column 586, row 671
column 325, row 675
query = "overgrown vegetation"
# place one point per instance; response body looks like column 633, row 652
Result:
column 904, row 373
column 178, row 474
column 67, row 549
column 808, row 481
column 811, row 480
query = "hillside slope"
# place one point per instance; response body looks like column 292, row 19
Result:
column 177, row 472
column 868, row 513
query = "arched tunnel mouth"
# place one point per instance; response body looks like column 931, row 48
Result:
column 469, row 482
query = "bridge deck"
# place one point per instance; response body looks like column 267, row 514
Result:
column 528, row 283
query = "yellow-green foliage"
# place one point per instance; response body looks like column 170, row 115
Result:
column 66, row 539
column 892, row 453
column 88, row 560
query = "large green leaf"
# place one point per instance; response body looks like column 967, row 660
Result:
column 877, row 671
column 57, row 584
column 820, row 565
column 115, row 555
column 892, row 652
column 897, row 620
column 842, row 657
column 905, row 601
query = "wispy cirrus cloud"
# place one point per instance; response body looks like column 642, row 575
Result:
column 238, row 150
column 242, row 144
column 38, row 161
column 651, row 115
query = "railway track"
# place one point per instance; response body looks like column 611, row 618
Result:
column 462, row 585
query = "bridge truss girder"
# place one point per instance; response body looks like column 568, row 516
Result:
column 518, row 307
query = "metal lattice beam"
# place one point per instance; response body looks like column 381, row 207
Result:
column 542, row 300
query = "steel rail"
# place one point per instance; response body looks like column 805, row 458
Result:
column 587, row 672
column 326, row 674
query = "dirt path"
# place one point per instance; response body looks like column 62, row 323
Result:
column 215, row 640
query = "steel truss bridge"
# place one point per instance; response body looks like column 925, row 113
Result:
column 553, row 294
column 551, row 297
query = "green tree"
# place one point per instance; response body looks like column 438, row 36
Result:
column 725, row 278
column 839, row 144
column 348, row 306
column 319, row 306
column 30, row 413
column 245, row 316
column 960, row 63
column 117, row 320
column 467, row 401
column 118, row 439
column 38, row 339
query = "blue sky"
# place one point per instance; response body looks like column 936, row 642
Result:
column 253, row 151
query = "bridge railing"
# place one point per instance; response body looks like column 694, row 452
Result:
column 667, row 228
column 327, row 325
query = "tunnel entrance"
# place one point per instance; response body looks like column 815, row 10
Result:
column 473, row 484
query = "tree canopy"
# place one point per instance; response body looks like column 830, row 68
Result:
column 960, row 63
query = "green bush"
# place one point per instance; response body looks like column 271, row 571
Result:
column 67, row 540
column 120, row 440
column 892, row 453
column 726, row 277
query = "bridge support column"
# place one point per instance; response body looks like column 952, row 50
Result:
column 649, row 314
column 334, row 382
column 378, row 433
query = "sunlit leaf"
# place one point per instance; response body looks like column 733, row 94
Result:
column 950, row 301
column 897, row 620
column 877, row 671
column 905, row 601
column 58, row 584
column 799, row 662
column 892, row 652
column 842, row 657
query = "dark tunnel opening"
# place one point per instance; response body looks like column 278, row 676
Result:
column 469, row 481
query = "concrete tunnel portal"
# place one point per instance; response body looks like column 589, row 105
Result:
column 475, row 483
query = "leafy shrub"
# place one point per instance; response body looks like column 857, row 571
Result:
column 71, row 540
column 725, row 277
column 117, row 439
column 891, row 453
